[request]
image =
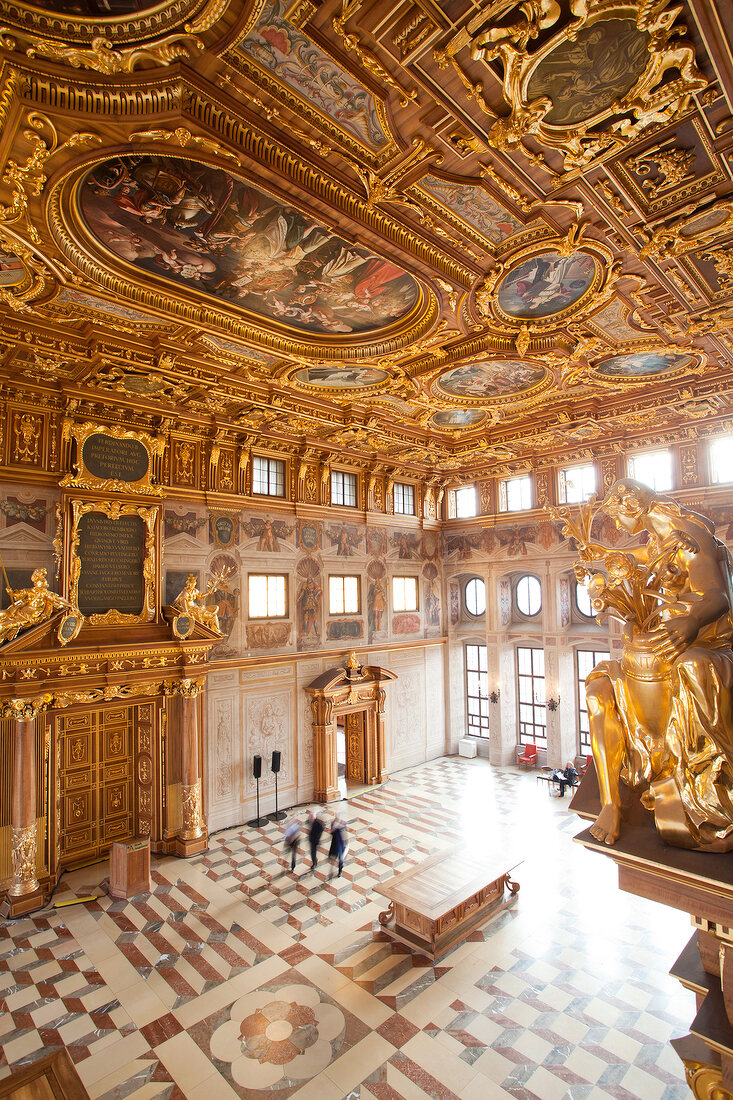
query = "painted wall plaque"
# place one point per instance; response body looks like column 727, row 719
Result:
column 114, row 459
column 106, row 456
column 546, row 285
column 111, row 555
column 644, row 364
column 201, row 228
column 491, row 378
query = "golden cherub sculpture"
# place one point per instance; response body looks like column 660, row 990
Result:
column 192, row 602
column 30, row 606
column 661, row 718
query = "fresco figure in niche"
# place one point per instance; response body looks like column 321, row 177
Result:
column 376, row 605
column 474, row 206
column 432, row 595
column 586, row 76
column 297, row 61
column 545, row 285
column 642, row 364
column 200, row 227
column 407, row 545
column 340, row 378
column 495, row 378
column 309, row 607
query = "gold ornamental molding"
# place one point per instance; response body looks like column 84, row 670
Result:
column 691, row 228
column 26, row 710
column 187, row 688
column 61, row 700
column 191, row 811
column 23, row 856
column 99, row 446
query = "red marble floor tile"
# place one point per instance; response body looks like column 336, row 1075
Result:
column 435, row 1089
column 178, row 984
column 295, row 954
column 397, row 1030
column 157, row 1031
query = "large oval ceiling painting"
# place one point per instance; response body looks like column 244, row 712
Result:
column 546, row 285
column 492, row 378
column 201, row 228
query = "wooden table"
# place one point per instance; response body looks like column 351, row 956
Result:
column 435, row 905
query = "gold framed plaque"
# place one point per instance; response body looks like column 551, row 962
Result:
column 114, row 460
column 114, row 561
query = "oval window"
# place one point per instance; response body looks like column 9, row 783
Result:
column 529, row 595
column 475, row 596
column 582, row 599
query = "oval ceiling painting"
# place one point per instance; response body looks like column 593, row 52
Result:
column 12, row 269
column 340, row 378
column 495, row 378
column 545, row 285
column 644, row 364
column 201, row 228
column 457, row 418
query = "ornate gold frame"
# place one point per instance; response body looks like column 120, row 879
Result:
column 114, row 510
column 518, row 397
column 83, row 479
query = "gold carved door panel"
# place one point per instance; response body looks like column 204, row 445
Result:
column 96, row 782
column 355, row 764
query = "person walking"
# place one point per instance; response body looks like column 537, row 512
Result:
column 315, row 832
column 337, row 851
column 292, row 840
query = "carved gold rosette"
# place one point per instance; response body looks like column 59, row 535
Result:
column 189, row 689
column 191, row 808
column 23, row 855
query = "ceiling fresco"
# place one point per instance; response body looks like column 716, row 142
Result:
column 441, row 240
column 201, row 227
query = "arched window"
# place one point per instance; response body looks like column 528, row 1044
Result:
column 474, row 596
column 528, row 595
column 582, row 600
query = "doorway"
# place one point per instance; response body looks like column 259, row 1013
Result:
column 351, row 754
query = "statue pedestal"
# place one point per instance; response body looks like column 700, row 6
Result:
column 701, row 884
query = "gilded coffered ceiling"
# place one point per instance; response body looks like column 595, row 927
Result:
column 434, row 237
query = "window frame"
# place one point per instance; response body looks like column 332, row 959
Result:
column 526, row 615
column 344, row 577
column 474, row 614
column 263, row 618
column 632, row 458
column 406, row 610
column 352, row 478
column 711, row 446
column 562, row 482
column 482, row 714
column 403, row 486
column 540, row 740
column 504, row 493
column 271, row 460
column 587, row 615
column 584, row 745
column 464, row 489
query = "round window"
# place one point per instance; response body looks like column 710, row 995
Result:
column 582, row 599
column 475, row 596
column 529, row 595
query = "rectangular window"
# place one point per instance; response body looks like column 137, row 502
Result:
column 721, row 460
column 343, row 595
column 531, row 682
column 466, row 502
column 404, row 499
column 343, row 488
column 515, row 494
column 586, row 660
column 477, row 690
column 267, row 596
column 577, row 483
column 268, row 476
column 652, row 468
column 404, row 593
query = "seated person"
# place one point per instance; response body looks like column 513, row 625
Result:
column 567, row 777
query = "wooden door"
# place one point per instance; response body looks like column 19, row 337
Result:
column 96, row 782
column 355, row 762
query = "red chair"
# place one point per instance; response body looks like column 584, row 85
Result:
column 528, row 755
column 584, row 767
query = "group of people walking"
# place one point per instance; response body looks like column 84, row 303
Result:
column 315, row 827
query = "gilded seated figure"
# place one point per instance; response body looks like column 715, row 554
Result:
column 192, row 602
column 661, row 718
column 30, row 606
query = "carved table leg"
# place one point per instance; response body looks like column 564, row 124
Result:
column 387, row 915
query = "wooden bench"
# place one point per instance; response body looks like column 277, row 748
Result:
column 435, row 905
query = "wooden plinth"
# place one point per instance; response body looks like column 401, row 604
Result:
column 51, row 1077
column 435, row 905
column 188, row 848
column 25, row 903
column 701, row 884
column 129, row 868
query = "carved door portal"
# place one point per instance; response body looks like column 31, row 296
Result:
column 355, row 756
column 96, row 769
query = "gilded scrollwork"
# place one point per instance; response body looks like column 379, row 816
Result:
column 191, row 811
column 24, row 850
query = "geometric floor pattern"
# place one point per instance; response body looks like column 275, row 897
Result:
column 235, row 978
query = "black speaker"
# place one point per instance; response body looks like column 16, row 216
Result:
column 257, row 767
column 276, row 761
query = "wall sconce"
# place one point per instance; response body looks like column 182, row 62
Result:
column 495, row 695
column 553, row 704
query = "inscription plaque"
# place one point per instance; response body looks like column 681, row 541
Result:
column 111, row 557
column 111, row 458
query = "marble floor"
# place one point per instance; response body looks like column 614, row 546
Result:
column 236, row 979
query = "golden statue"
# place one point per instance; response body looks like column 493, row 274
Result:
column 192, row 602
column 30, row 606
column 661, row 718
